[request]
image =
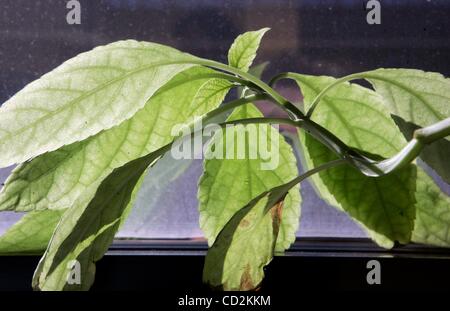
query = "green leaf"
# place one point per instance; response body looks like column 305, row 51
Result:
column 89, row 93
column 221, row 176
column 419, row 98
column 31, row 233
column 87, row 229
column 54, row 180
column 436, row 155
column 243, row 50
column 432, row 225
column 246, row 244
column 385, row 205
column 414, row 95
column 228, row 184
column 210, row 94
column 108, row 208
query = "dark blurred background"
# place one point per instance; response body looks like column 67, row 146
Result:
column 309, row 36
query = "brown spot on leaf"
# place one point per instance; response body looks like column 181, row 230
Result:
column 246, row 279
column 276, row 212
column 244, row 224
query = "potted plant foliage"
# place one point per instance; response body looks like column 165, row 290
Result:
column 84, row 134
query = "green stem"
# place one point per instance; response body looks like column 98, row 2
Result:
column 263, row 86
column 366, row 165
column 291, row 109
column 312, row 128
column 279, row 193
column 433, row 132
column 328, row 88
column 324, row 136
column 315, row 170
column 208, row 75
column 421, row 138
column 294, row 76
column 281, row 76
column 262, row 120
column 222, row 109
column 233, row 104
column 266, row 121
column 231, row 78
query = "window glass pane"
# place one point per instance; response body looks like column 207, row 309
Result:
column 309, row 36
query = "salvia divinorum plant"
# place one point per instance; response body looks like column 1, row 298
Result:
column 85, row 134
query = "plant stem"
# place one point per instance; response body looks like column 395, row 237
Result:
column 233, row 104
column 294, row 76
column 433, row 132
column 328, row 88
column 264, row 120
column 291, row 109
column 280, row 76
column 231, row 78
column 366, row 165
column 277, row 194
column 315, row 170
column 421, row 138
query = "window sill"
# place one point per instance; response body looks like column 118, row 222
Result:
column 310, row 265
column 303, row 247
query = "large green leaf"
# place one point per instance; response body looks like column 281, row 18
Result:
column 31, row 233
column 432, row 225
column 243, row 50
column 87, row 229
column 228, row 184
column 91, row 92
column 245, row 245
column 54, row 180
column 422, row 98
column 358, row 116
column 218, row 201
column 248, row 241
column 110, row 205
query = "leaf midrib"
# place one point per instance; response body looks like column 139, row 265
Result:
column 84, row 96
